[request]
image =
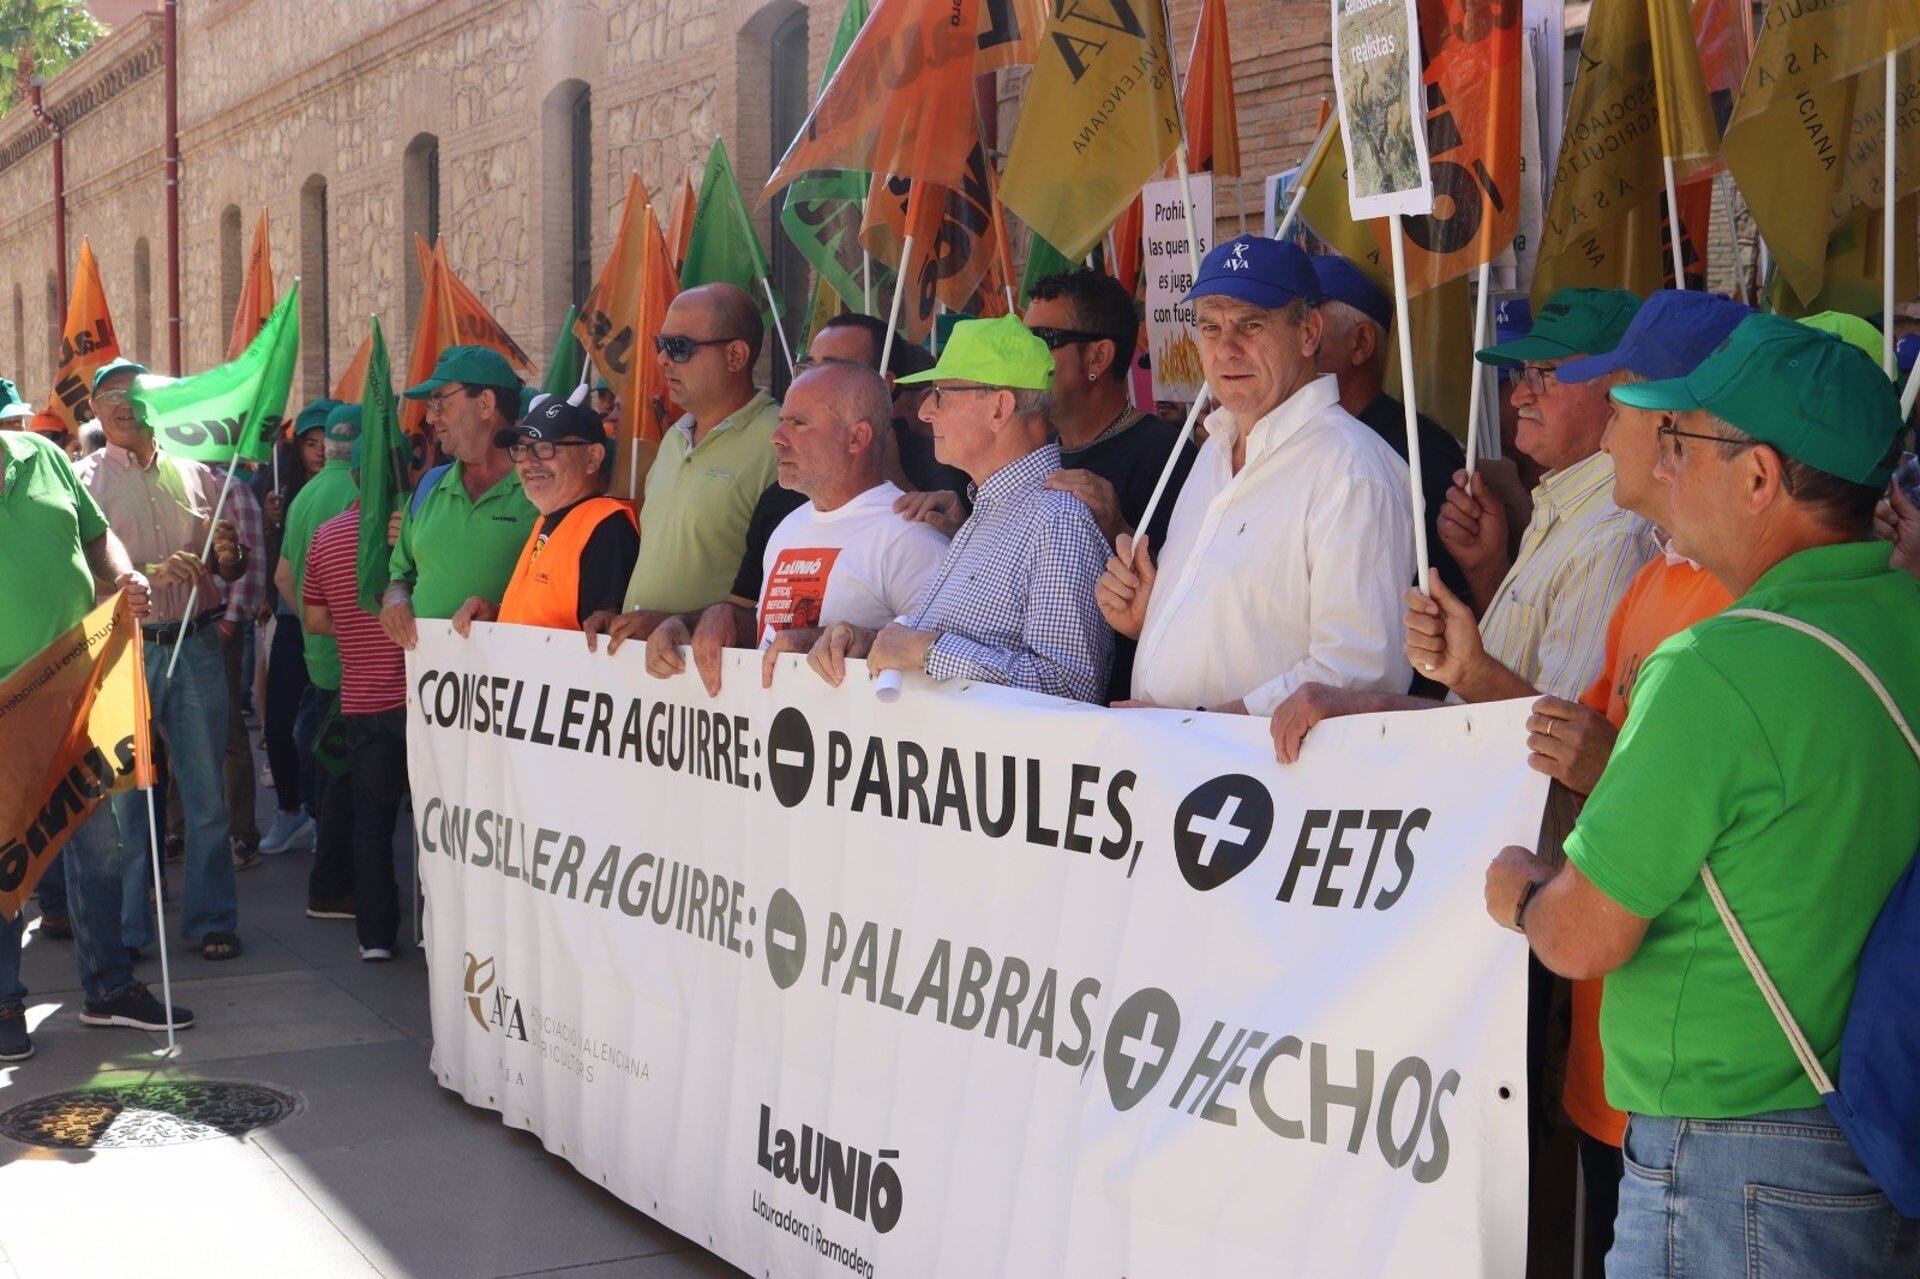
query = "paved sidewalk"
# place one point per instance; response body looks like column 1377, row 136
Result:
column 380, row 1172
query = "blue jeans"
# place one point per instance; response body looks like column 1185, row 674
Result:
column 1768, row 1196
column 191, row 709
column 91, row 859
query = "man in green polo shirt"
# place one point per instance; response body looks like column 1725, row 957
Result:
column 712, row 467
column 464, row 537
column 1754, row 750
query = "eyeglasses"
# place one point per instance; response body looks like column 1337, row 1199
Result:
column 1671, row 435
column 112, row 399
column 1057, row 338
column 438, row 398
column 1538, row 378
column 542, row 450
column 680, row 349
column 936, row 390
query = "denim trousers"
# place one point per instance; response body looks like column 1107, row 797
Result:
column 191, row 709
column 1779, row 1195
column 90, row 864
column 286, row 685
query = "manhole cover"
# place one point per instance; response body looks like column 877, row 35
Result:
column 132, row 1116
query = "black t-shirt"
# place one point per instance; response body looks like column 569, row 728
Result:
column 1131, row 461
column 1440, row 456
column 606, row 561
column 775, row 504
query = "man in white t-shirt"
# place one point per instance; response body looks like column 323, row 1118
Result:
column 845, row 556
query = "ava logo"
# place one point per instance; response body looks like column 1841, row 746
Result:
column 1220, row 828
column 790, row 757
column 477, row 985
column 1140, row 1042
column 1238, row 262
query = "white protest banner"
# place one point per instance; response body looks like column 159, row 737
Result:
column 1177, row 375
column 978, row 982
column 1376, row 84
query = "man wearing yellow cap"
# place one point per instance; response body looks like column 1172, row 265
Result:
column 1012, row 601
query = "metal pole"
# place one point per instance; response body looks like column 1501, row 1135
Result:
column 1481, row 306
column 1887, row 244
column 1403, row 319
column 171, row 39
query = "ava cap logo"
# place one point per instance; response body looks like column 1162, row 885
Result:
column 1238, row 262
column 1220, row 828
column 476, row 986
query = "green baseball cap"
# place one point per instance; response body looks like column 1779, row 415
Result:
column 1573, row 322
column 469, row 366
column 17, row 409
column 1811, row 394
column 343, row 422
column 314, row 416
column 1848, row 328
column 1002, row 352
column 115, row 365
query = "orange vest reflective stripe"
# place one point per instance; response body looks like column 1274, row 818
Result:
column 545, row 588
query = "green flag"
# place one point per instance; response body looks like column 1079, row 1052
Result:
column 1043, row 260
column 823, row 211
column 233, row 410
column 723, row 245
column 563, row 368
column 383, row 471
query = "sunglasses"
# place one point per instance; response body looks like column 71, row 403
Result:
column 542, row 450
column 1057, row 338
column 680, row 349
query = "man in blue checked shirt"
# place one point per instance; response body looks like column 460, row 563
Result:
column 1012, row 602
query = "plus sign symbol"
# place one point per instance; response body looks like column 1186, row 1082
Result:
column 1139, row 1046
column 790, row 757
column 1220, row 828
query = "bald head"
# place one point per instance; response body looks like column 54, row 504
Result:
column 723, row 326
column 730, row 312
column 831, row 440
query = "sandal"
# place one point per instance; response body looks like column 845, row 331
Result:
column 220, row 946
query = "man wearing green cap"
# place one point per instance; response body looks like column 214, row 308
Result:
column 1012, row 600
column 160, row 505
column 465, row 535
column 1754, row 753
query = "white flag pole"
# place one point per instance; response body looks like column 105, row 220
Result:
column 779, row 329
column 1673, row 224
column 866, row 282
column 1404, row 326
column 206, row 555
column 1482, row 304
column 1887, row 242
column 160, row 917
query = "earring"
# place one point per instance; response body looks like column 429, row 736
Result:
column 1093, row 377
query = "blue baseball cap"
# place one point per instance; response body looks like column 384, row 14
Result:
column 1252, row 268
column 1668, row 337
column 1906, row 351
column 1512, row 318
column 1342, row 281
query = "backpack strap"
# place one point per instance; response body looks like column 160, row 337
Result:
column 1809, row 1060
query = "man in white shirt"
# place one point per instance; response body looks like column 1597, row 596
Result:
column 845, row 556
column 1293, row 537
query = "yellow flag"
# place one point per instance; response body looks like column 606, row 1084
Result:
column 1100, row 120
column 1687, row 130
column 1853, row 271
column 1807, row 138
column 1324, row 208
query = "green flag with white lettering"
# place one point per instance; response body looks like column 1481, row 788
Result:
column 233, row 410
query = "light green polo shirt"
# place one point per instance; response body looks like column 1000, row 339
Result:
column 699, row 499
column 319, row 500
column 1755, row 749
column 454, row 548
column 46, row 517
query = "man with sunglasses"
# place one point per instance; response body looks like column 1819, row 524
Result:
column 466, row 535
column 1011, row 602
column 580, row 555
column 712, row 467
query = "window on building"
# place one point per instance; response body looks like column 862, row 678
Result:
column 566, row 201
column 142, row 301
column 788, row 96
column 232, row 264
column 420, row 182
column 315, row 352
column 580, row 189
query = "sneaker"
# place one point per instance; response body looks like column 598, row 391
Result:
column 375, row 954
column 329, row 908
column 56, row 927
column 137, row 1008
column 287, row 830
column 14, row 1043
column 245, row 855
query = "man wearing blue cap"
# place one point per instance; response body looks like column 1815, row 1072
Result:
column 1760, row 785
column 1357, row 316
column 1293, row 536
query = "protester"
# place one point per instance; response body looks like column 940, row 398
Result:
column 845, row 556
column 465, row 536
column 712, row 467
column 55, row 547
column 1293, row 536
column 580, row 555
column 1357, row 316
column 373, row 711
column 912, row 465
column 1751, row 751
column 160, row 506
column 1012, row 600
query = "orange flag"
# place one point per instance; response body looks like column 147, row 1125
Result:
column 431, row 335
column 1010, row 33
column 256, row 294
column 686, row 201
column 474, row 325
column 955, row 235
column 75, row 719
column 1129, row 246
column 348, row 386
column 900, row 101
column 88, row 342
column 1213, row 126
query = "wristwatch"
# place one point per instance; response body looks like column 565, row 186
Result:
column 1520, row 911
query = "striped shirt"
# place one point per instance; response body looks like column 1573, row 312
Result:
column 156, row 509
column 1548, row 622
column 1013, row 598
column 373, row 670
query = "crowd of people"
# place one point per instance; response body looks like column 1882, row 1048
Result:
column 986, row 516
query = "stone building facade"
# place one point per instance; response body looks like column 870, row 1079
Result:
column 507, row 125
